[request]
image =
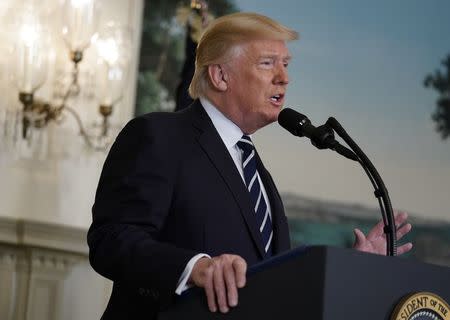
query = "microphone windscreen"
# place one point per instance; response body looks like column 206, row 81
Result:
column 290, row 120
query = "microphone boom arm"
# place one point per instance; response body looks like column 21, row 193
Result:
column 381, row 192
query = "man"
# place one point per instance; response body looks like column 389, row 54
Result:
column 184, row 198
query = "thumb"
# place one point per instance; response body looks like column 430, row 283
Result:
column 360, row 238
column 199, row 272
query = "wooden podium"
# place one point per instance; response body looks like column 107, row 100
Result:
column 321, row 283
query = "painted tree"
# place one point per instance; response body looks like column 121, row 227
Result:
column 440, row 81
column 162, row 52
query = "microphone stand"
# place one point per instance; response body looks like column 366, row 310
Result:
column 381, row 192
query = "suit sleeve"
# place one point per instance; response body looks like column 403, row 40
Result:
column 132, row 202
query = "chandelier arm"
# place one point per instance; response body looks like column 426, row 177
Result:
column 83, row 132
column 65, row 98
column 75, row 85
column 73, row 88
column 80, row 126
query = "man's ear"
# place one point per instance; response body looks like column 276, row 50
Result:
column 218, row 77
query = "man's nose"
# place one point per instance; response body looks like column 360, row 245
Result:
column 281, row 76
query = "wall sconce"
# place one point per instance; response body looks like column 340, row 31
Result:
column 29, row 54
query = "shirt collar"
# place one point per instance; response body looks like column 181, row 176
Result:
column 227, row 129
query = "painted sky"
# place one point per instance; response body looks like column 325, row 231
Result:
column 364, row 62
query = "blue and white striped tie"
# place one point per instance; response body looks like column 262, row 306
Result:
column 252, row 182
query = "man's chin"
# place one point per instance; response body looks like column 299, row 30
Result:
column 276, row 113
column 272, row 118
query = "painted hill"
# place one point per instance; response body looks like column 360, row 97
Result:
column 316, row 221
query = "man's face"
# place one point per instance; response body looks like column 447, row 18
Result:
column 257, row 83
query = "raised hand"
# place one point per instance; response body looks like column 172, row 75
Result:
column 375, row 241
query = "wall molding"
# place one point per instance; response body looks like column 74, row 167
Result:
column 44, row 271
column 22, row 232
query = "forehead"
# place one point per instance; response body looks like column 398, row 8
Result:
column 266, row 48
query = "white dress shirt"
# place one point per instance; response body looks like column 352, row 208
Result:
column 230, row 134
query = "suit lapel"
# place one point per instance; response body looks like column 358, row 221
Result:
column 214, row 147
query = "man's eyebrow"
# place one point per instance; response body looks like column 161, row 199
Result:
column 275, row 56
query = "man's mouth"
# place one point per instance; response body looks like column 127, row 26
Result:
column 277, row 98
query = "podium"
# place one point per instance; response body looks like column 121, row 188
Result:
column 321, row 283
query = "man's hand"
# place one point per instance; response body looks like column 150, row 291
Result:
column 375, row 242
column 220, row 277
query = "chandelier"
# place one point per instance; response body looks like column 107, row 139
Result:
column 46, row 96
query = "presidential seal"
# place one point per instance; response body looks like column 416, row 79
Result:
column 421, row 306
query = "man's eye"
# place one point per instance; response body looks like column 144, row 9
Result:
column 266, row 62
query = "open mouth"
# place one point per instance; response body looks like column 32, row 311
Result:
column 277, row 97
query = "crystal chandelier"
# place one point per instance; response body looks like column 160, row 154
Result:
column 29, row 51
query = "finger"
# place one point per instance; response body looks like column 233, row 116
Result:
column 240, row 271
column 230, row 282
column 209, row 289
column 376, row 231
column 405, row 229
column 219, row 288
column 404, row 248
column 400, row 218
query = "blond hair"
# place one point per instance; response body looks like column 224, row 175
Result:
column 224, row 34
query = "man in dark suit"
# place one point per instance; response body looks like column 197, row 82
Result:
column 184, row 199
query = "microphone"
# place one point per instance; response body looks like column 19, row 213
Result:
column 321, row 137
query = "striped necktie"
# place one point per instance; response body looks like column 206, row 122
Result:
column 252, row 182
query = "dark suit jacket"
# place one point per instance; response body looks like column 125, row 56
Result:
column 169, row 189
